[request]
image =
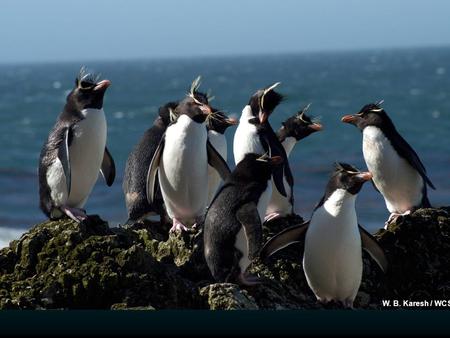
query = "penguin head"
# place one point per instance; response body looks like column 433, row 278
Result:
column 166, row 112
column 195, row 105
column 219, row 122
column 88, row 92
column 264, row 101
column 299, row 126
column 256, row 167
column 347, row 177
column 370, row 115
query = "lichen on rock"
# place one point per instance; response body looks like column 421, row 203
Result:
column 67, row 265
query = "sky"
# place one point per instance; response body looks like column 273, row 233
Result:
column 62, row 30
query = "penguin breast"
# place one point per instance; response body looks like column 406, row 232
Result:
column 246, row 139
column 184, row 168
column 86, row 155
column 399, row 183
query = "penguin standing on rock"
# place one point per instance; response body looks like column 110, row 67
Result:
column 232, row 229
column 217, row 123
column 255, row 135
column 181, row 162
column 292, row 130
column 136, row 169
column 398, row 173
column 75, row 151
column 332, row 259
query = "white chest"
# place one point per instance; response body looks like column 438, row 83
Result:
column 400, row 184
column 289, row 144
column 246, row 139
column 86, row 154
column 332, row 259
column 184, row 168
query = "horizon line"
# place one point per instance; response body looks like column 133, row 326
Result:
column 227, row 56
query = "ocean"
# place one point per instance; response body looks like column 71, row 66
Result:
column 414, row 83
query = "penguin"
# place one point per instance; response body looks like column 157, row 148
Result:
column 138, row 162
column 255, row 135
column 332, row 258
column 398, row 173
column 217, row 123
column 75, row 151
column 181, row 162
column 292, row 130
column 232, row 229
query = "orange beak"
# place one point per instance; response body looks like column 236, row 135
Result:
column 263, row 116
column 348, row 119
column 232, row 121
column 276, row 160
column 316, row 126
column 102, row 85
column 366, row 176
column 206, row 109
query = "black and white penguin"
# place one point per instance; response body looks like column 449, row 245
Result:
column 233, row 228
column 255, row 135
column 136, row 169
column 292, row 130
column 75, row 151
column 181, row 162
column 217, row 123
column 332, row 259
column 398, row 173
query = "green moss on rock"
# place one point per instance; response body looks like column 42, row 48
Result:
column 65, row 265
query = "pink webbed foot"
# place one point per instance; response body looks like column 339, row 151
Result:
column 271, row 216
column 178, row 226
column 78, row 215
column 394, row 216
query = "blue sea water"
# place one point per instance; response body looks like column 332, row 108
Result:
column 415, row 84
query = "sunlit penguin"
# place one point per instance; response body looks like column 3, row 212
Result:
column 217, row 123
column 136, row 169
column 398, row 173
column 332, row 259
column 255, row 135
column 293, row 130
column 232, row 230
column 181, row 162
column 75, row 151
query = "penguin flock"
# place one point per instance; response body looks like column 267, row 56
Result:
column 178, row 171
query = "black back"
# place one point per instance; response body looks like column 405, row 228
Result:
column 138, row 162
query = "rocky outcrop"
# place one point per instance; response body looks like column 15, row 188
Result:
column 65, row 265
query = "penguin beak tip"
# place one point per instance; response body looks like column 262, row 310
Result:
column 102, row 85
column 348, row 119
column 316, row 126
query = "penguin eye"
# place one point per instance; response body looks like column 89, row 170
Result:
column 86, row 85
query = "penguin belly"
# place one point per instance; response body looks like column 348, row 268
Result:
column 86, row 154
column 183, row 170
column 220, row 144
column 399, row 183
column 278, row 203
column 246, row 139
column 332, row 259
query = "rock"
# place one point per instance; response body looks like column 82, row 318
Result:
column 65, row 265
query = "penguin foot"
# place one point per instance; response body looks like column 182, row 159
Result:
column 249, row 279
column 78, row 215
column 394, row 216
column 271, row 216
column 178, row 226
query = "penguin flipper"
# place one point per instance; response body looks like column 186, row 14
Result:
column 283, row 239
column 108, row 168
column 153, row 170
column 64, row 157
column 408, row 153
column 371, row 246
column 248, row 216
column 216, row 161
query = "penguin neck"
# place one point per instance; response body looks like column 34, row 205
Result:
column 339, row 201
column 289, row 144
column 159, row 122
column 246, row 114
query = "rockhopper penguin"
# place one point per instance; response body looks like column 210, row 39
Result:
column 332, row 258
column 232, row 229
column 398, row 173
column 75, row 151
